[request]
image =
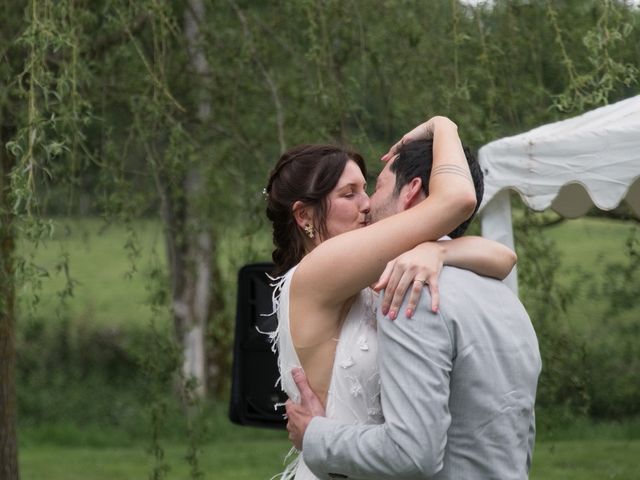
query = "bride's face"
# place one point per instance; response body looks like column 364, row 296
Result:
column 348, row 202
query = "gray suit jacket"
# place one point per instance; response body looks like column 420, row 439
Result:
column 458, row 391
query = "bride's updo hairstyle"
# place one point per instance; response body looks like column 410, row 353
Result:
column 307, row 173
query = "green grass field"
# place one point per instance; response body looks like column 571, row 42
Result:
column 110, row 283
column 235, row 459
column 586, row 247
column 111, row 293
column 249, row 459
column 584, row 450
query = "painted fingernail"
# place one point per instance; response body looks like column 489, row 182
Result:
column 392, row 315
column 409, row 312
column 385, row 310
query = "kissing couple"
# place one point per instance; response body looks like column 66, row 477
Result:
column 440, row 384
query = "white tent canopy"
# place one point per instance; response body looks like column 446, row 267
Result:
column 570, row 166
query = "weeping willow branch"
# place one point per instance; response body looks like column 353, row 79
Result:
column 27, row 161
column 152, row 74
column 273, row 87
column 566, row 60
column 107, row 41
column 485, row 60
column 594, row 86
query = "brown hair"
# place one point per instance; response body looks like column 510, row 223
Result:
column 415, row 160
column 307, row 173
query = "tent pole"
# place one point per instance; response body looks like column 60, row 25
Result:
column 496, row 225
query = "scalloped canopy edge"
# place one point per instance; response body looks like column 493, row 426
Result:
column 592, row 159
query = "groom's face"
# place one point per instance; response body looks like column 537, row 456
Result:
column 384, row 202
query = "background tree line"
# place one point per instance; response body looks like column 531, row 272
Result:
column 176, row 109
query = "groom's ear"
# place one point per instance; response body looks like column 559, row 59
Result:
column 302, row 213
column 412, row 193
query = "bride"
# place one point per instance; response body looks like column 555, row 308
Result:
column 328, row 253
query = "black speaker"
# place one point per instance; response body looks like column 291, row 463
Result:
column 255, row 371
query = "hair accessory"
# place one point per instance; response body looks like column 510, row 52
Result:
column 309, row 230
column 265, row 193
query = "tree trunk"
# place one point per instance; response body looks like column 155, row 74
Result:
column 191, row 307
column 8, row 408
column 190, row 245
column 189, row 257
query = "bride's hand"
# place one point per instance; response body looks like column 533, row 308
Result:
column 411, row 270
column 424, row 131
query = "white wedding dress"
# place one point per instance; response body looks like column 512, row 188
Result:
column 354, row 389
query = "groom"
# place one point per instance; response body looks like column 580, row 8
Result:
column 458, row 386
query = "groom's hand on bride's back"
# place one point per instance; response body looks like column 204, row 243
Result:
column 300, row 415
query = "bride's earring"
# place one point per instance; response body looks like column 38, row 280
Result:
column 309, row 230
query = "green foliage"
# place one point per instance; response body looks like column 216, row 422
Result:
column 621, row 284
column 78, row 376
column 603, row 349
column 563, row 379
column 604, row 73
column 113, row 104
column 615, row 375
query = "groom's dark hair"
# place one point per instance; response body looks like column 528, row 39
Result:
column 415, row 160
